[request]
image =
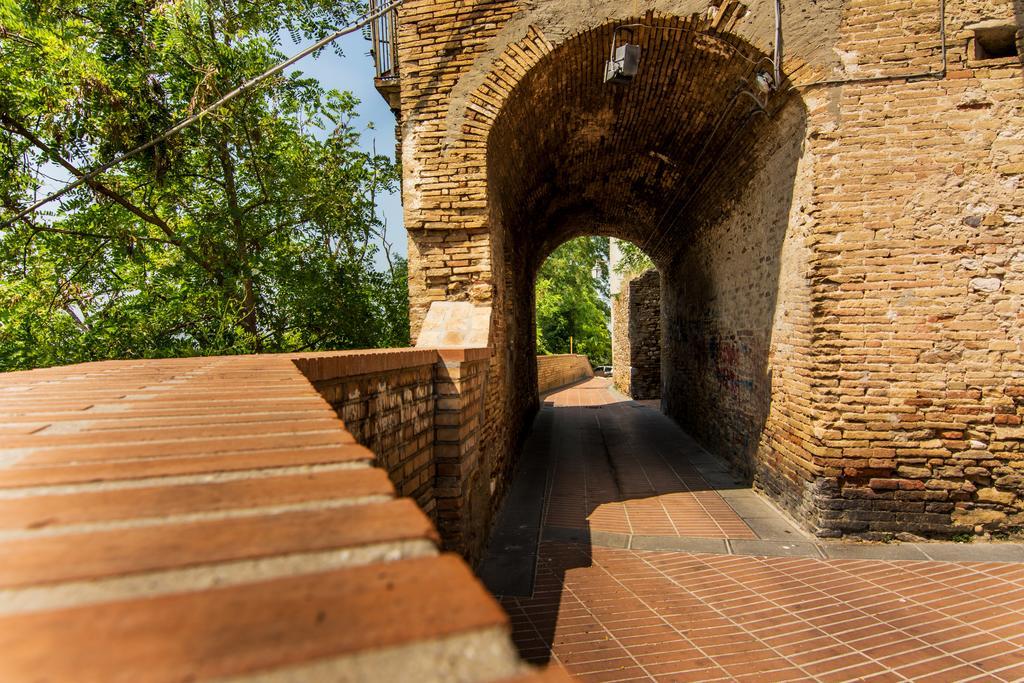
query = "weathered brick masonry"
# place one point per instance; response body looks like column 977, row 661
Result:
column 211, row 518
column 390, row 410
column 842, row 273
column 559, row 371
column 420, row 412
column 462, row 485
column 636, row 337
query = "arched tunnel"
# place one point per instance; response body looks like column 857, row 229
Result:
column 699, row 166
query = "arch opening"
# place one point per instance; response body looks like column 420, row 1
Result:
column 572, row 300
column 688, row 165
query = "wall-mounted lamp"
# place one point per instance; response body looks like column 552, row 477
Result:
column 765, row 82
column 623, row 64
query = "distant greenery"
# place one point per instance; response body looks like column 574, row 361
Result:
column 634, row 261
column 572, row 300
column 254, row 231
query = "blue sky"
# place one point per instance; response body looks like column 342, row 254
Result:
column 354, row 71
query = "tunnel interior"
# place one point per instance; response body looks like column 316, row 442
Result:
column 703, row 171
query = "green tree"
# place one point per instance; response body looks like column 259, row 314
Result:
column 572, row 300
column 254, row 230
column 634, row 260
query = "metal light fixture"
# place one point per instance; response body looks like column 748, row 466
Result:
column 765, row 82
column 623, row 63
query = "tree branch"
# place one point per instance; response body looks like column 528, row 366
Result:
column 15, row 127
column 80, row 233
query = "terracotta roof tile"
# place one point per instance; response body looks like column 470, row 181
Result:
column 41, row 511
column 551, row 674
column 183, row 465
column 97, row 554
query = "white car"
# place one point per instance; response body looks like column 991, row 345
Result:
column 603, row 371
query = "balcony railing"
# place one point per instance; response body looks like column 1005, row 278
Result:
column 384, row 35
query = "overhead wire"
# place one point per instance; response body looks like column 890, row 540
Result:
column 740, row 129
column 736, row 52
column 661, row 230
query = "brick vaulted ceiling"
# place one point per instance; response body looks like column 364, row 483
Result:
column 572, row 155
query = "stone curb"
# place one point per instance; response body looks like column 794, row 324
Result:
column 939, row 552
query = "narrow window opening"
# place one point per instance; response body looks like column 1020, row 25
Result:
column 995, row 42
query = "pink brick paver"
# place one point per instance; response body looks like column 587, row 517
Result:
column 610, row 614
column 620, row 615
column 632, row 484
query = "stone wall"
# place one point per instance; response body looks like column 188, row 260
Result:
column 917, row 280
column 844, row 266
column 636, row 337
column 622, row 359
column 738, row 333
column 554, row 372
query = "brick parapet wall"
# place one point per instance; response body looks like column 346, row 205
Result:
column 143, row 502
column 554, row 372
column 392, row 412
column 422, row 413
column 463, row 493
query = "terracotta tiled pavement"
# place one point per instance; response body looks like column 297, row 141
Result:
column 611, row 476
column 621, row 615
column 611, row 614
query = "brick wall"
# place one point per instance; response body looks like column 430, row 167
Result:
column 554, row 372
column 636, row 337
column 738, row 333
column 917, row 272
column 421, row 413
column 843, row 270
column 463, row 478
column 389, row 407
column 475, row 193
column 142, row 502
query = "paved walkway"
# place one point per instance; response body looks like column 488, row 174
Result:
column 644, row 560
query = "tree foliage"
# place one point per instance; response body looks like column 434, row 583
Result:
column 634, row 261
column 572, row 300
column 252, row 231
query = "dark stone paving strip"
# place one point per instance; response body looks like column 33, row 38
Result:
column 511, row 559
column 687, row 545
column 945, row 552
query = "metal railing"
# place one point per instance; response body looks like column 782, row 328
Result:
column 384, row 36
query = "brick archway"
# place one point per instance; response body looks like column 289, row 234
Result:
column 671, row 161
column 822, row 277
